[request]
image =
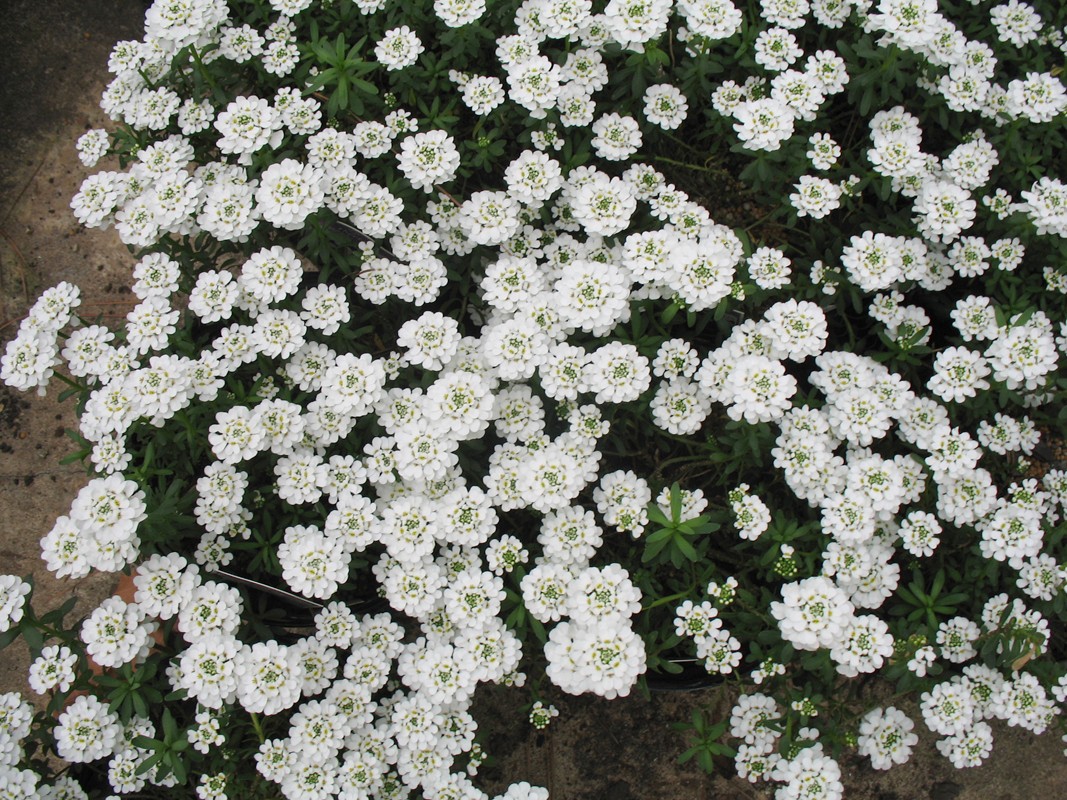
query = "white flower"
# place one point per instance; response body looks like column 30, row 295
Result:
column 271, row 275
column 533, row 177
column 240, row 43
column 457, row 13
column 797, row 329
column 763, row 124
column 235, row 436
column 622, row 498
column 945, row 209
column 616, row 137
column 13, row 592
column 921, row 660
column 353, row 384
column 398, row 48
column 164, row 583
column 593, row 297
column 712, row 19
column 208, row 670
column 873, row 261
column 665, row 106
column 1039, row 97
column 534, row 83
column 695, row 620
column 751, row 514
column 428, row 159
column 675, row 358
column 863, row 647
column 247, row 125
column 483, row 93
column 53, row 669
column 603, row 205
column 65, row 550
column 597, row 596
column 886, row 737
column 618, row 373
column 815, row 197
column 810, row 774
column 228, row 211
column 212, row 608
column 150, row 324
column 701, row 270
column 606, row 660
column 430, row 341
column 824, row 151
column 108, row 511
column 828, row 68
column 87, row 731
column 959, row 373
column 758, row 389
column 289, row 192
column 515, row 348
column 634, row 24
column 489, row 218
column 720, row 652
column 28, row 360
column 948, row 708
column 956, row 637
column 1016, row 23
column 269, row 677
column 968, row 748
column 776, row 49
column 813, row 613
column 98, row 198
column 570, row 535
column 92, row 146
column 679, row 406
column 512, row 282
column 1022, row 356
column 920, row 533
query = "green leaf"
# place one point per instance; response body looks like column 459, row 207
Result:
column 34, row 638
column 145, row 743
column 653, row 549
column 656, row 515
column 685, row 548
column 153, row 760
column 676, row 502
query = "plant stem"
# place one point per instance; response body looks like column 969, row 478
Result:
column 687, row 165
column 664, row 600
column 257, row 727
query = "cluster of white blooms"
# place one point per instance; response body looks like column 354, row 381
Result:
column 719, row 650
column 29, row 358
column 15, row 718
column 101, row 530
column 418, row 446
column 13, row 593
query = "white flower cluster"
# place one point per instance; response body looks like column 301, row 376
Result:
column 418, row 445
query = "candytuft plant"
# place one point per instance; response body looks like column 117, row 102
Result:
column 557, row 342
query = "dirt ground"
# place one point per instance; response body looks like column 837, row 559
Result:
column 53, row 57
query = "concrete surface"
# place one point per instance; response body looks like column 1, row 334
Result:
column 53, row 57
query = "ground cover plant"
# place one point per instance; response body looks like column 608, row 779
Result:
column 556, row 342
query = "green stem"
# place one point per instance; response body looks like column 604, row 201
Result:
column 687, row 165
column 680, row 460
column 257, row 727
column 203, row 69
column 664, row 600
